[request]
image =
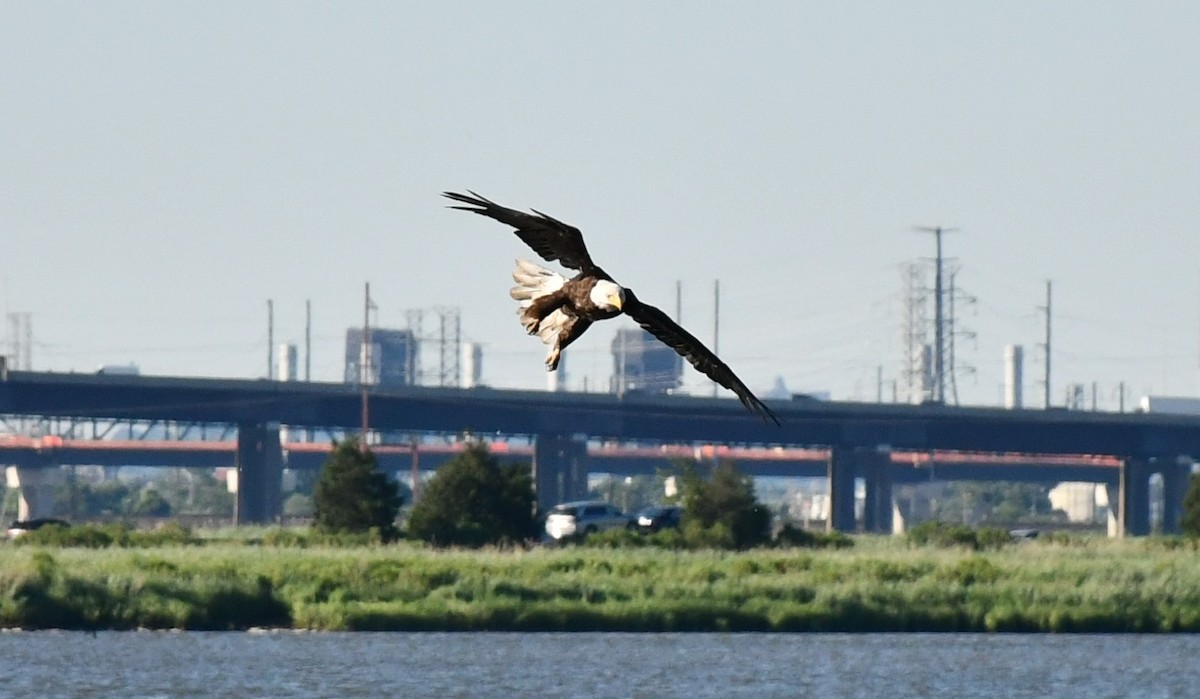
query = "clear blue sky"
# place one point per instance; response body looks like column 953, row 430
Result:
column 165, row 168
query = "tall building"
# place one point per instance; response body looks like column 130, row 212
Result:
column 642, row 363
column 391, row 359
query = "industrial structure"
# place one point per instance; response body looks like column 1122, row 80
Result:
column 388, row 360
column 642, row 363
column 930, row 365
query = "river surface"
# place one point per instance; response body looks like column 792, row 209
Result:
column 294, row 664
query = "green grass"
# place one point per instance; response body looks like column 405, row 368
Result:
column 880, row 584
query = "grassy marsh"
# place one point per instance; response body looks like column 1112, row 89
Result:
column 878, row 585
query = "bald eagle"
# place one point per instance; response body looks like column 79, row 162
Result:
column 559, row 310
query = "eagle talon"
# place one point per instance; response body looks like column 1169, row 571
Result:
column 530, row 322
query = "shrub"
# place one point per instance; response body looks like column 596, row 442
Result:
column 98, row 536
column 698, row 536
column 935, row 533
column 285, row 538
column 1189, row 523
column 790, row 535
column 298, row 505
column 615, row 538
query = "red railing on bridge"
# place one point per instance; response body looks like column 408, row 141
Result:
column 48, row 445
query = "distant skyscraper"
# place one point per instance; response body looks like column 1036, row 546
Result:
column 391, row 360
column 642, row 363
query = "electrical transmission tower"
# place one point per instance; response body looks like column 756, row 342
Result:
column 954, row 297
column 930, row 368
column 915, row 369
column 448, row 339
column 20, row 341
column 449, row 345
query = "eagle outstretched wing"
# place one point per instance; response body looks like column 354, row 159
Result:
column 660, row 325
column 554, row 240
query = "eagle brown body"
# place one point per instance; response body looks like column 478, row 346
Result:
column 572, row 300
column 560, row 310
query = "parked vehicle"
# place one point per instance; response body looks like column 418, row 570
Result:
column 654, row 519
column 585, row 517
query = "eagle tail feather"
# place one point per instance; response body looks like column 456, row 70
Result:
column 534, row 282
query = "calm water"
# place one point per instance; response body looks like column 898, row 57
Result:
column 286, row 664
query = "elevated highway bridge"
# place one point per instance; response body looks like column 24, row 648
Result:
column 879, row 443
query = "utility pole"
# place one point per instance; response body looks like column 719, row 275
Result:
column 954, row 333
column 939, row 321
column 364, row 368
column 1046, row 346
column 621, row 378
column 414, row 444
column 716, row 324
column 308, row 340
column 414, row 319
column 270, row 339
column 679, row 302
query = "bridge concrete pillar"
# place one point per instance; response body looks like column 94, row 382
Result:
column 901, row 515
column 1113, row 491
column 36, row 490
column 259, row 473
column 841, row 472
column 1176, row 475
column 560, row 470
column 1133, row 498
column 875, row 466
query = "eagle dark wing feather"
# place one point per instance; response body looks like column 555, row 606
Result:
column 554, row 240
column 660, row 325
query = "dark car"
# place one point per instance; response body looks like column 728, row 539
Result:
column 657, row 518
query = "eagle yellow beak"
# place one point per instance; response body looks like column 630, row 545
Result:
column 615, row 300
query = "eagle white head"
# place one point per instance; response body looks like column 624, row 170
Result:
column 607, row 295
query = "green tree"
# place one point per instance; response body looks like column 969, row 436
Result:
column 298, row 505
column 996, row 504
column 148, row 502
column 720, row 508
column 353, row 494
column 196, row 491
column 473, row 500
column 1189, row 523
column 630, row 493
column 106, row 499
